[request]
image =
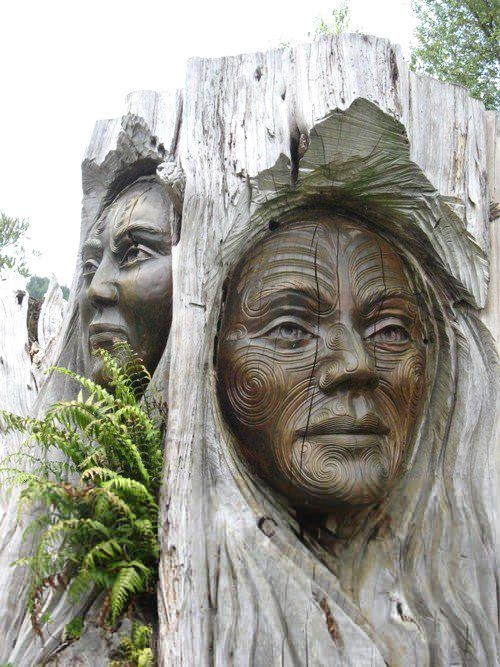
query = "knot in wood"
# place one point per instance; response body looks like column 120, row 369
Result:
column 267, row 526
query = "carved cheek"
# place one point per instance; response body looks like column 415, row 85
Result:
column 401, row 386
column 254, row 384
column 147, row 286
column 411, row 381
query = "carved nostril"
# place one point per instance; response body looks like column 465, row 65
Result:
column 342, row 373
column 102, row 293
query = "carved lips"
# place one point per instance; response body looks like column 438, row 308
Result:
column 106, row 336
column 370, row 424
column 321, row 362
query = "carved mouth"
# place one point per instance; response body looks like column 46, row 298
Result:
column 369, row 424
column 106, row 335
column 340, row 441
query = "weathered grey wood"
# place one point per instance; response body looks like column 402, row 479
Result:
column 491, row 313
column 237, row 584
column 49, row 327
column 22, row 373
column 18, row 390
column 51, row 314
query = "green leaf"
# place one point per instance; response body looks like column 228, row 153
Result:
column 458, row 42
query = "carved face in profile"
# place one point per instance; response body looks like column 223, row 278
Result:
column 321, row 362
column 127, row 269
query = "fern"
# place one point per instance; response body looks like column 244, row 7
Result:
column 96, row 480
column 136, row 651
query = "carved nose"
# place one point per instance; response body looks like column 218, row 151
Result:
column 102, row 290
column 347, row 365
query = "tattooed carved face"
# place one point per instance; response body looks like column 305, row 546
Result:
column 321, row 362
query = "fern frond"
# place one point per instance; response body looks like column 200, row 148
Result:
column 108, row 499
column 132, row 489
column 141, row 635
column 145, row 658
column 92, row 387
column 102, row 552
column 128, row 582
column 96, row 498
column 11, row 422
column 98, row 473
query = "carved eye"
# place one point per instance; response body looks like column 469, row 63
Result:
column 390, row 330
column 289, row 332
column 134, row 255
column 90, row 267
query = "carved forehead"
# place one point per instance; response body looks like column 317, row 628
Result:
column 311, row 254
column 144, row 204
column 145, row 201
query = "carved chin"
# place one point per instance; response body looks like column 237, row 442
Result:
column 337, row 470
column 97, row 370
column 98, row 373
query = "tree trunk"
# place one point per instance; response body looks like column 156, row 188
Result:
column 21, row 375
column 342, row 124
column 18, row 391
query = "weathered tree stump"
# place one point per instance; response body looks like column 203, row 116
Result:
column 340, row 125
column 261, row 143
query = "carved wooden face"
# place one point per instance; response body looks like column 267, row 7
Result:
column 321, row 362
column 128, row 279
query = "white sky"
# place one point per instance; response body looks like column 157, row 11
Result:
column 63, row 65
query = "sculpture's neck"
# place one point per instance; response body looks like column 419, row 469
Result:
column 336, row 528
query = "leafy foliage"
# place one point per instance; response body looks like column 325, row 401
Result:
column 12, row 255
column 336, row 24
column 136, row 651
column 38, row 285
column 97, row 483
column 74, row 628
column 458, row 42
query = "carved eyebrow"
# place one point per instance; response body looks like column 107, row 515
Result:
column 377, row 298
column 306, row 292
column 92, row 246
column 137, row 228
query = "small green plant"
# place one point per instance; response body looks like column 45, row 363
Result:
column 74, row 629
column 136, row 651
column 96, row 483
column 336, row 24
column 12, row 236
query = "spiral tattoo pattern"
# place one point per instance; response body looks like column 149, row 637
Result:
column 250, row 388
column 322, row 362
column 339, row 473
